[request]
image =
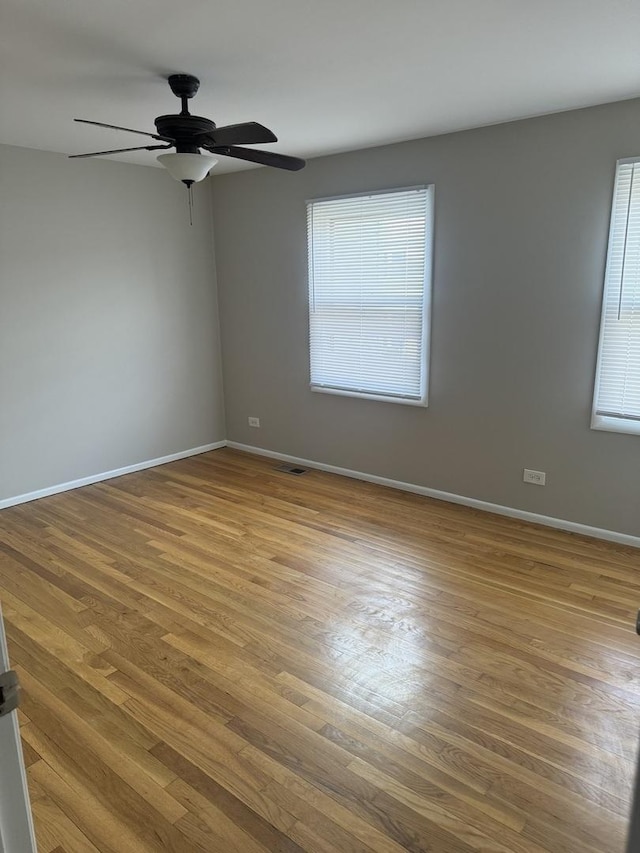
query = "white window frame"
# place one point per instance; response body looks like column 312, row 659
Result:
column 600, row 421
column 422, row 400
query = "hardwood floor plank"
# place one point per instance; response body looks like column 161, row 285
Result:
column 105, row 828
column 219, row 657
column 28, row 752
column 296, row 793
column 40, row 639
column 509, row 741
column 54, row 828
column 402, row 824
column 102, row 759
column 463, row 822
column 208, row 825
column 418, row 775
column 233, row 808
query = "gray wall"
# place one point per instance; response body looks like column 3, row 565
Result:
column 109, row 344
column 522, row 214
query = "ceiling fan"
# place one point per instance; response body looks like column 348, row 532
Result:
column 188, row 134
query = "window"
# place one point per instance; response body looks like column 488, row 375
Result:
column 617, row 391
column 369, row 291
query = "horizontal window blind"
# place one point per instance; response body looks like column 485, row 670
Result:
column 617, row 393
column 369, row 265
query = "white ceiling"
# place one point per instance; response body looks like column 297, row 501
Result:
column 325, row 75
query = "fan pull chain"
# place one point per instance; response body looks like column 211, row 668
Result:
column 190, row 195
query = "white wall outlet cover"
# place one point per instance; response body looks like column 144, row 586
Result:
column 254, row 422
column 538, row 478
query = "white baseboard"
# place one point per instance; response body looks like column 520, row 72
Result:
column 510, row 512
column 546, row 520
column 108, row 475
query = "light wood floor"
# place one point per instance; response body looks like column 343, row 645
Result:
column 220, row 657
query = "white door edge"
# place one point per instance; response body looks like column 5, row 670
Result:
column 17, row 834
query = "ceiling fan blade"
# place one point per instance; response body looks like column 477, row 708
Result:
column 247, row 133
column 266, row 158
column 119, row 151
column 128, row 129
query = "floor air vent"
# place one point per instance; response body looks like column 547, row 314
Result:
column 291, row 469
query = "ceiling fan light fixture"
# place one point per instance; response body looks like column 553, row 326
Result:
column 188, row 168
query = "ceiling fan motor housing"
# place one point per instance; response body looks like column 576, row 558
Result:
column 186, row 130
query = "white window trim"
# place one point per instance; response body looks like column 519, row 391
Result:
column 425, row 354
column 365, row 395
column 610, row 423
column 607, row 423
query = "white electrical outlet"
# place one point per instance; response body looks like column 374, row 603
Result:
column 538, row 478
column 254, row 422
